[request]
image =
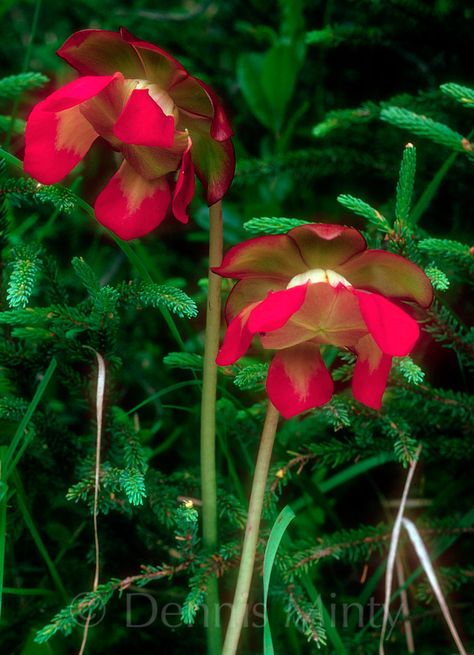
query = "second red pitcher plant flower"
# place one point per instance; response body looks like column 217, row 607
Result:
column 319, row 284
column 165, row 123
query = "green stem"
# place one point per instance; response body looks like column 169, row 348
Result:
column 249, row 549
column 208, row 423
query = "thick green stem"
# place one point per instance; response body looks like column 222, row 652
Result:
column 208, row 424
column 249, row 549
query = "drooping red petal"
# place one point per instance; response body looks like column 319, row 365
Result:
column 323, row 245
column 144, row 123
column 101, row 52
column 158, row 65
column 185, row 184
column 394, row 331
column 237, row 339
column 371, row 373
column 329, row 315
column 131, row 206
column 388, row 274
column 273, row 256
column 248, row 291
column 298, row 380
column 277, row 308
column 57, row 135
column 213, row 160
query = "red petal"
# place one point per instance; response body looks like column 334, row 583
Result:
column 277, row 308
column 198, row 99
column 237, row 339
column 100, row 52
column 213, row 160
column 394, row 331
column 103, row 110
column 248, row 291
column 189, row 95
column 151, row 163
column 371, row 373
column 298, row 380
column 57, row 135
column 221, row 128
column 329, row 315
column 390, row 275
column 159, row 66
column 274, row 256
column 77, row 91
column 131, row 206
column 144, row 123
column 55, row 143
column 324, row 245
column 185, row 184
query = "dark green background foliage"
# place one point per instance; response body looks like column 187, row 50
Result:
column 323, row 97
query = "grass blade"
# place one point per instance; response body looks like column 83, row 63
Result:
column 10, row 460
column 278, row 530
column 30, row 524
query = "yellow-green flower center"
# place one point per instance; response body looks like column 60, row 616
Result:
column 315, row 275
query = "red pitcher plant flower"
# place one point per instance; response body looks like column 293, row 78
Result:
column 165, row 124
column 319, row 284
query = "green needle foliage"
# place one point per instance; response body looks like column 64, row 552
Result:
column 462, row 94
column 14, row 85
column 25, row 271
column 319, row 138
column 363, row 209
column 405, row 184
column 427, row 128
column 271, row 225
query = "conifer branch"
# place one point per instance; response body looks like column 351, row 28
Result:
column 364, row 209
column 462, row 94
column 427, row 128
column 15, row 85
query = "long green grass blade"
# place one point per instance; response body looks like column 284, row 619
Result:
column 11, row 459
column 28, row 591
column 278, row 530
column 30, row 524
column 353, row 471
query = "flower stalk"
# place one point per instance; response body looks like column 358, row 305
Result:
column 244, row 579
column 208, row 422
